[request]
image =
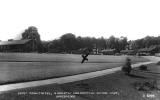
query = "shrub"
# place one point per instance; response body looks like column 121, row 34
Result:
column 158, row 63
column 143, row 67
column 146, row 85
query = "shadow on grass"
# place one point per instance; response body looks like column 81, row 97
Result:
column 136, row 76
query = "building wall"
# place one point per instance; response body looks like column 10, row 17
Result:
column 30, row 46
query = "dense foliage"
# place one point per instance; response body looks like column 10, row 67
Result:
column 69, row 43
column 145, row 42
column 32, row 33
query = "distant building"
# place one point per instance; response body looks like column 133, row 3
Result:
column 128, row 52
column 108, row 51
column 149, row 51
column 26, row 45
column 95, row 51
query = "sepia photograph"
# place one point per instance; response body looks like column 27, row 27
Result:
column 79, row 50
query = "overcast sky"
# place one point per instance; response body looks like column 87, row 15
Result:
column 132, row 18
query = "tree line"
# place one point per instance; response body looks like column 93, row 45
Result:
column 70, row 43
column 145, row 42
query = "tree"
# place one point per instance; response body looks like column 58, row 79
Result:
column 55, row 46
column 32, row 33
column 123, row 42
column 112, row 42
column 101, row 43
column 116, row 43
column 68, row 41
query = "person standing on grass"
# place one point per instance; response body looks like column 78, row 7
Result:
column 127, row 67
column 85, row 55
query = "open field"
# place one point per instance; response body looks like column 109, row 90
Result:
column 19, row 67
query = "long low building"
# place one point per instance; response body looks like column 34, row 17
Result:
column 128, row 52
column 150, row 51
column 108, row 51
column 25, row 45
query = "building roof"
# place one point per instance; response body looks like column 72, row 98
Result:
column 126, row 51
column 14, row 42
column 108, row 50
column 148, row 49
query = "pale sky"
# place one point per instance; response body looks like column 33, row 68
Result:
column 53, row 18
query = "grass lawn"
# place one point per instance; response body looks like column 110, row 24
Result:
column 20, row 67
column 115, row 86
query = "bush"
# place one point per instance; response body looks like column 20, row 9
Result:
column 146, row 85
column 158, row 63
column 143, row 67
